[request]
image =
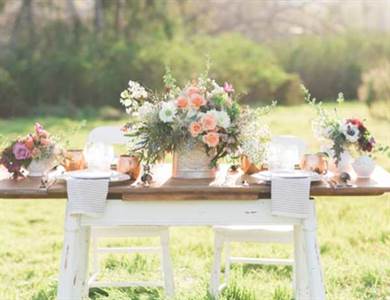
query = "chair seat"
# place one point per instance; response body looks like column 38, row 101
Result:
column 265, row 234
column 273, row 228
column 127, row 231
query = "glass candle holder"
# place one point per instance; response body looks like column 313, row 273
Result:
column 130, row 165
column 315, row 162
column 74, row 160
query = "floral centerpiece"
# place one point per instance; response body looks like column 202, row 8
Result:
column 255, row 138
column 345, row 136
column 36, row 152
column 199, row 123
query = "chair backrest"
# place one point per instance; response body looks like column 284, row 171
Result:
column 109, row 135
column 290, row 140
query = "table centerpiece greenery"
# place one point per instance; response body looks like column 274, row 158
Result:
column 200, row 115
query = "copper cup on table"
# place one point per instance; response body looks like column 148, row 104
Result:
column 315, row 162
column 129, row 164
column 74, row 160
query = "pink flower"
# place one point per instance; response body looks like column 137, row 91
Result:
column 40, row 131
column 38, row 127
column 211, row 139
column 21, row 151
column 228, row 88
column 197, row 101
column 195, row 129
column 208, row 122
column 182, row 102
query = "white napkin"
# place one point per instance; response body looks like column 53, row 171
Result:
column 290, row 197
column 87, row 196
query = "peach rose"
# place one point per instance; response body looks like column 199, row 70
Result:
column 44, row 142
column 197, row 100
column 29, row 142
column 182, row 102
column 36, row 153
column 195, row 129
column 208, row 122
column 193, row 90
column 211, row 139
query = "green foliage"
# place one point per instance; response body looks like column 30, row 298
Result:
column 375, row 90
column 327, row 64
column 63, row 73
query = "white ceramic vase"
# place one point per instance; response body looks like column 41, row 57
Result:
column 38, row 168
column 363, row 166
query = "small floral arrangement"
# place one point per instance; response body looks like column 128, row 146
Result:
column 255, row 134
column 202, row 112
column 37, row 146
column 344, row 134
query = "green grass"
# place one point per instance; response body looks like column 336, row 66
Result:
column 354, row 237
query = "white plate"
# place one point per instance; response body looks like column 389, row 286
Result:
column 267, row 175
column 85, row 174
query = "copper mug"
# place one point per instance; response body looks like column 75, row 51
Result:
column 315, row 162
column 74, row 160
column 129, row 164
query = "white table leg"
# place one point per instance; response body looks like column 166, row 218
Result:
column 74, row 261
column 215, row 272
column 312, row 255
column 167, row 266
column 300, row 268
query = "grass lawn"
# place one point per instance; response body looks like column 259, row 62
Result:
column 354, row 237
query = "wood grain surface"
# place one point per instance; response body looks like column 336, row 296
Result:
column 226, row 186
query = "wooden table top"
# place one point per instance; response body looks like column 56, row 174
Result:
column 167, row 188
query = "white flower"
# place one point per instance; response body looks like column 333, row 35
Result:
column 126, row 102
column 145, row 110
column 350, row 131
column 223, row 119
column 217, row 89
column 137, row 91
column 167, row 112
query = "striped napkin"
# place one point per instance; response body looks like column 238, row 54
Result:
column 87, row 196
column 290, row 197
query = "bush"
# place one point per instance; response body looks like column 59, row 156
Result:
column 375, row 90
column 62, row 74
column 333, row 63
column 9, row 96
column 252, row 69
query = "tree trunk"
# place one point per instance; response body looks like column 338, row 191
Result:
column 75, row 18
column 99, row 17
column 117, row 16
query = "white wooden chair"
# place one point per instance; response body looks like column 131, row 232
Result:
column 111, row 135
column 225, row 235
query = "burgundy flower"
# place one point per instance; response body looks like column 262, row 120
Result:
column 358, row 124
column 21, row 151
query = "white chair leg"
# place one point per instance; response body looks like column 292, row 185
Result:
column 214, row 283
column 95, row 259
column 227, row 262
column 167, row 265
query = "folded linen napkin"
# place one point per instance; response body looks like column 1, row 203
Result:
column 290, row 197
column 87, row 196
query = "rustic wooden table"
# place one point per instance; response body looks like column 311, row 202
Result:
column 177, row 202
